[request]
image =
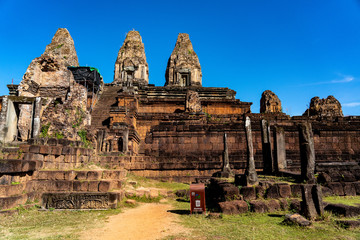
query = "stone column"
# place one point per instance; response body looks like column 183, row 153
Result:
column 250, row 172
column 311, row 205
column 36, row 121
column 126, row 141
column 307, row 152
column 3, row 114
column 269, row 166
column 280, row 152
column 226, row 163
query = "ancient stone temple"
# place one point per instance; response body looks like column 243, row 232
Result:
column 270, row 103
column 65, row 118
column 325, row 107
column 131, row 66
column 183, row 67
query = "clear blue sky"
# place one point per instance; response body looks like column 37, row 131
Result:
column 298, row 49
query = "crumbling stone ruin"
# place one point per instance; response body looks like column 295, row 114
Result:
column 183, row 67
column 270, row 103
column 324, row 107
column 63, row 117
column 131, row 66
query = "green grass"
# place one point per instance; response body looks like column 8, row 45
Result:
column 258, row 226
column 34, row 224
column 147, row 183
column 347, row 200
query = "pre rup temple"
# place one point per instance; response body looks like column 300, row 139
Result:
column 62, row 117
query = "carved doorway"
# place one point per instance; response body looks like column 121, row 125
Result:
column 121, row 145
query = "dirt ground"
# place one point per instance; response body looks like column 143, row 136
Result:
column 145, row 222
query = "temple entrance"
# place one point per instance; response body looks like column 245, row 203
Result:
column 120, row 145
column 184, row 79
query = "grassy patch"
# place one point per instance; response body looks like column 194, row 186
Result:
column 347, row 200
column 257, row 226
column 146, row 182
column 32, row 224
column 288, row 180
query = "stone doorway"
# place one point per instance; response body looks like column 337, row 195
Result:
column 184, row 79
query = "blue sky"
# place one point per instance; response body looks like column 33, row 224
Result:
column 298, row 49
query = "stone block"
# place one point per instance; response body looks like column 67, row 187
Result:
column 25, row 148
column 63, row 185
column 56, row 150
column 79, row 200
column 273, row 205
column 105, row 186
column 295, row 190
column 326, row 191
column 284, row 205
column 343, row 210
column 44, row 149
column 357, row 187
column 260, row 191
column 284, row 190
column 296, row 219
column 337, row 188
column 234, row 207
column 80, row 186
column 80, row 175
column 273, row 192
column 34, row 149
column 93, row 186
column 258, row 206
column 230, row 192
column 93, row 175
column 52, row 142
column 347, row 176
column 248, row 193
column 66, row 150
column 349, row 189
column 295, row 205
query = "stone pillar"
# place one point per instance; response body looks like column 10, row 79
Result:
column 250, row 172
column 269, row 165
column 307, row 152
column 280, row 150
column 25, row 121
column 100, row 140
column 3, row 114
column 311, row 205
column 226, row 163
column 126, row 141
column 36, row 122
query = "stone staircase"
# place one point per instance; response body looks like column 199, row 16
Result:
column 101, row 111
column 24, row 179
column 80, row 189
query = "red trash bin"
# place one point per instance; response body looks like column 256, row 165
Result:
column 197, row 198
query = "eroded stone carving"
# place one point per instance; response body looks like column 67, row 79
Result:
column 183, row 67
column 270, row 103
column 131, row 65
column 78, row 200
column 193, row 103
column 325, row 107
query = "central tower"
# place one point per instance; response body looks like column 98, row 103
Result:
column 183, row 67
column 131, row 67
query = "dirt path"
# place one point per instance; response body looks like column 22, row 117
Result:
column 148, row 221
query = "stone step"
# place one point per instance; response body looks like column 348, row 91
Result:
column 77, row 185
column 9, row 166
column 13, row 201
column 12, row 190
column 81, row 175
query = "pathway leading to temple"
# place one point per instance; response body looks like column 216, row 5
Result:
column 147, row 222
